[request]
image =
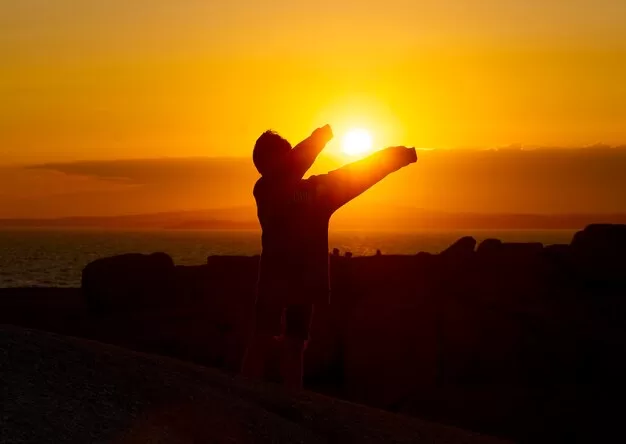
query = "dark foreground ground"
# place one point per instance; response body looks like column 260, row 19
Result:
column 61, row 389
column 522, row 341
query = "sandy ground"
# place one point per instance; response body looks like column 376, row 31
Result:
column 60, row 389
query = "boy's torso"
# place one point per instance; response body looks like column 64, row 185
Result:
column 294, row 218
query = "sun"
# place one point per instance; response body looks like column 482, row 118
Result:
column 357, row 141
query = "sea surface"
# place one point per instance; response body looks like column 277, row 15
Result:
column 55, row 258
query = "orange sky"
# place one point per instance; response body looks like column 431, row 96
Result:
column 146, row 79
column 134, row 79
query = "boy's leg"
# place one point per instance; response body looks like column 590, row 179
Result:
column 297, row 325
column 268, row 326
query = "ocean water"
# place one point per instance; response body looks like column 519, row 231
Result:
column 55, row 258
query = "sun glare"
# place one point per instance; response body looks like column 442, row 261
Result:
column 357, row 142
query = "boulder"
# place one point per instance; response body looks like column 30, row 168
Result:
column 510, row 257
column 462, row 249
column 600, row 252
column 228, row 305
column 514, row 251
column 557, row 251
column 601, row 238
column 129, row 282
column 389, row 351
column 488, row 246
column 405, row 329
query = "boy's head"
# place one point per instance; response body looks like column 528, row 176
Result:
column 270, row 154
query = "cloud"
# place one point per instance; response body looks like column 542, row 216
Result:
column 517, row 180
column 154, row 185
column 158, row 171
column 511, row 180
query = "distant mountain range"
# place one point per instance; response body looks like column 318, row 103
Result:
column 232, row 218
column 384, row 218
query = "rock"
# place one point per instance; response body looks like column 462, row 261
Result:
column 423, row 255
column 461, row 247
column 524, row 253
column 601, row 238
column 229, row 306
column 488, row 316
column 556, row 266
column 509, row 252
column 459, row 254
column 129, row 282
column 488, row 246
column 557, row 250
column 600, row 253
column 389, row 351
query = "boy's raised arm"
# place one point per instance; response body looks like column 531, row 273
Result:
column 305, row 153
column 343, row 185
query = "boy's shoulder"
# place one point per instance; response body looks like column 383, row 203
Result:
column 265, row 188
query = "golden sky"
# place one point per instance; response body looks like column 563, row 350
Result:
column 113, row 79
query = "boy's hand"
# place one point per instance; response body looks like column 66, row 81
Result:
column 412, row 155
column 407, row 155
column 325, row 133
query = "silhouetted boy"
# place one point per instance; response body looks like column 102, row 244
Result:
column 294, row 214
